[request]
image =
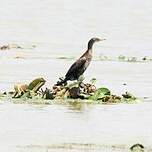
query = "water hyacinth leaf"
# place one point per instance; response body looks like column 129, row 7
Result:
column 137, row 148
column 36, row 84
column 100, row 93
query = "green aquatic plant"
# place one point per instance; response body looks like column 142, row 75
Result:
column 104, row 95
column 28, row 90
column 2, row 95
column 129, row 98
column 99, row 94
column 104, row 58
column 137, row 148
column 132, row 59
column 36, row 84
column 121, row 58
column 77, row 90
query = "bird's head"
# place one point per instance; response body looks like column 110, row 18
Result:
column 93, row 40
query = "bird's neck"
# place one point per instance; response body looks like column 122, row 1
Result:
column 89, row 51
column 90, row 44
column 87, row 54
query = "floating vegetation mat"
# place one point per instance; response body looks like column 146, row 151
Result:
column 69, row 93
column 86, row 146
column 119, row 58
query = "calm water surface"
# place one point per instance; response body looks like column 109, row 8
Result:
column 74, row 126
column 62, row 28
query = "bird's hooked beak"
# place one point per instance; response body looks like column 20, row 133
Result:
column 101, row 39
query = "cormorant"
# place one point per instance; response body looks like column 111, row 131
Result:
column 79, row 67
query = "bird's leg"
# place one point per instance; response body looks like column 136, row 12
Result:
column 80, row 81
column 81, row 78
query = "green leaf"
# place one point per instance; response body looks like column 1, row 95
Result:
column 100, row 93
column 36, row 84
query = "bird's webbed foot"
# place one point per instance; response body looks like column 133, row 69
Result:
column 61, row 82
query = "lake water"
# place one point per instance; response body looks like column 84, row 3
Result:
column 74, row 127
column 62, row 29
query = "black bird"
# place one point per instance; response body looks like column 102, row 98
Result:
column 79, row 67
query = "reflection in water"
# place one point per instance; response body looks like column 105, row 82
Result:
column 78, row 106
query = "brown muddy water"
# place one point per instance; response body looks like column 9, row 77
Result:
column 62, row 29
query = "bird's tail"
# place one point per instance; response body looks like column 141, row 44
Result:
column 62, row 82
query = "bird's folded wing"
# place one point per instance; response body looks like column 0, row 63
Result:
column 77, row 65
